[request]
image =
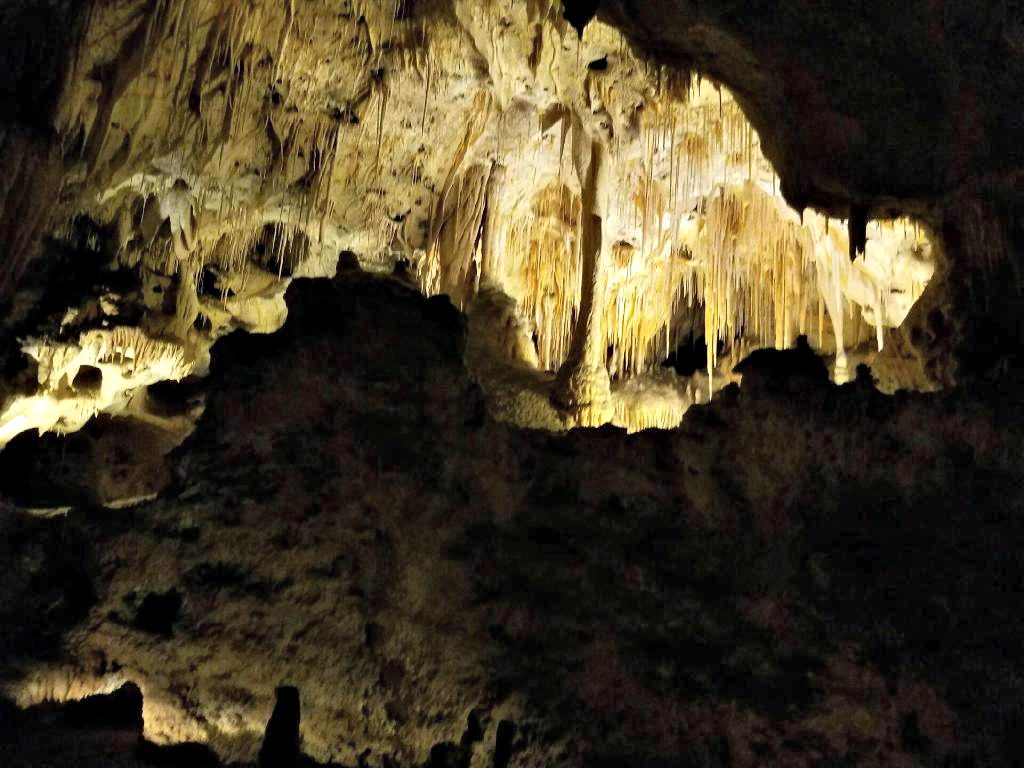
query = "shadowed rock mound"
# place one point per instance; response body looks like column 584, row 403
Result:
column 789, row 579
column 776, row 368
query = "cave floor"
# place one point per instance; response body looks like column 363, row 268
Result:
column 801, row 575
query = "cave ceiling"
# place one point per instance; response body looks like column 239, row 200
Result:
column 859, row 103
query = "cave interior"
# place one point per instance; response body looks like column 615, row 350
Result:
column 512, row 383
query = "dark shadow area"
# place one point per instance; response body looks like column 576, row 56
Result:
column 88, row 380
column 48, row 586
column 107, row 730
column 689, row 357
column 74, row 268
column 801, row 575
column 46, row 471
column 279, row 251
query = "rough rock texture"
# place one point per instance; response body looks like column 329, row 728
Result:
column 749, row 590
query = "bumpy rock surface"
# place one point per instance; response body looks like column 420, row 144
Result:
column 803, row 575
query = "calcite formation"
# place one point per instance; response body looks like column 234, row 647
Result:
column 102, row 371
column 232, row 147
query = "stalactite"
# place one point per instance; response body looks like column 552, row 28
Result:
column 692, row 214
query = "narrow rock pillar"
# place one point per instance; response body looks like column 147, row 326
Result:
column 583, row 386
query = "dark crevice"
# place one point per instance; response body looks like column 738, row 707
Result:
column 157, row 612
column 690, row 356
column 579, row 13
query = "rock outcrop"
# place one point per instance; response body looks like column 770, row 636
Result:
column 755, row 588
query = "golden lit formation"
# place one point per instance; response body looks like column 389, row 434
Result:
column 620, row 208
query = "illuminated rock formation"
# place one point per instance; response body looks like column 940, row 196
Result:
column 235, row 147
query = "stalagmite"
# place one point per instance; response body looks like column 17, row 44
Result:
column 583, row 385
